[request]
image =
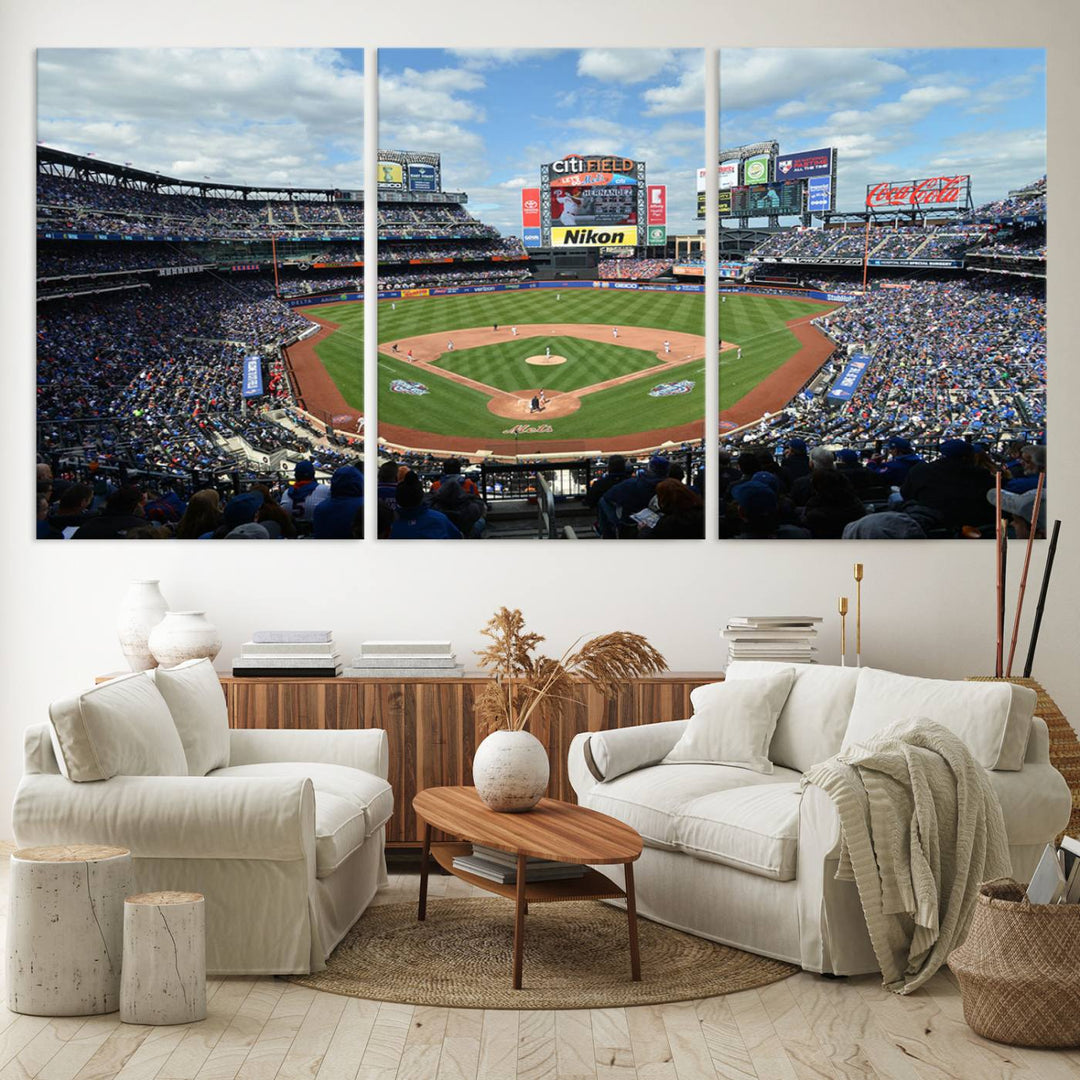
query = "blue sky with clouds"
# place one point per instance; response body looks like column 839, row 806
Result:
column 496, row 114
column 894, row 114
column 280, row 117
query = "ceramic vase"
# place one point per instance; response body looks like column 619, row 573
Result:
column 184, row 635
column 142, row 609
column 510, row 771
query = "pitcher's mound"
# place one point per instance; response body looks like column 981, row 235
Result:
column 545, row 361
column 516, row 406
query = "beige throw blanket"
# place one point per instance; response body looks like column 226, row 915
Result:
column 921, row 829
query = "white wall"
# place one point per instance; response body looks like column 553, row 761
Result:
column 928, row 606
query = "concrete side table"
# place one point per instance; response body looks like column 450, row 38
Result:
column 164, row 980
column 65, row 929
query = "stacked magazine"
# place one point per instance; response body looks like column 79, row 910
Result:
column 787, row 639
column 1057, row 877
column 289, row 653
column 405, row 660
column 501, row 866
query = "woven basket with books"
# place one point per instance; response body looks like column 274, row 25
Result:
column 1019, row 969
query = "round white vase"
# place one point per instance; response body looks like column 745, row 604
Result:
column 143, row 607
column 184, row 635
column 510, row 771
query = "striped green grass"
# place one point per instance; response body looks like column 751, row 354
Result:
column 587, row 362
column 756, row 323
column 428, row 315
column 452, row 409
column 342, row 352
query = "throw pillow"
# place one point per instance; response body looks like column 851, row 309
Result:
column 194, row 696
column 992, row 719
column 120, row 728
column 733, row 722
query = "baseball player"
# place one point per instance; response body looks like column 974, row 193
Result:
column 570, row 207
column 667, row 347
column 393, row 306
column 547, row 351
column 738, row 353
column 615, row 332
column 450, row 345
column 513, row 330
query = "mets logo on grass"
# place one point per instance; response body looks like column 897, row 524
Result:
column 670, row 389
column 404, row 386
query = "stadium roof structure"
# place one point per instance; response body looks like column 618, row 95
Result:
column 86, row 167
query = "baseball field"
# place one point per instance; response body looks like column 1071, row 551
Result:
column 550, row 371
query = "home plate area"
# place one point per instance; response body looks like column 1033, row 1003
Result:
column 519, row 404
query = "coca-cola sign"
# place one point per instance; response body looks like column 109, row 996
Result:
column 932, row 191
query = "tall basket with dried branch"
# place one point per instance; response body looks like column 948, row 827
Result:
column 510, row 767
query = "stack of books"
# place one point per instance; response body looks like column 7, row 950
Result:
column 1057, row 877
column 405, row 660
column 501, row 866
column 295, row 653
column 787, row 639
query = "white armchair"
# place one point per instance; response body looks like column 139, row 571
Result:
column 286, row 840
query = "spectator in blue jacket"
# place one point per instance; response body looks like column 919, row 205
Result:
column 628, row 497
column 333, row 518
column 415, row 521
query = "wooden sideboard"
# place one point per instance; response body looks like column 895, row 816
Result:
column 431, row 727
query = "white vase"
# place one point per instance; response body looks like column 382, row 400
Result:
column 184, row 635
column 510, row 771
column 142, row 609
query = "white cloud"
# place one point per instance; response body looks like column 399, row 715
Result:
column 623, row 65
column 686, row 94
column 251, row 116
column 823, row 78
column 516, row 184
column 479, row 59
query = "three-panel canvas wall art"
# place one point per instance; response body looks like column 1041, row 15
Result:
column 547, row 231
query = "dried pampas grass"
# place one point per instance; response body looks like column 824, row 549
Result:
column 523, row 682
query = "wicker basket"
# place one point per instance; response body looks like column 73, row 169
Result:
column 1019, row 969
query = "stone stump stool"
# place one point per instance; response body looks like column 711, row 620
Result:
column 164, row 980
column 65, row 929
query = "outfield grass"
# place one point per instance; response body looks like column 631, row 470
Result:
column 756, row 323
column 587, row 362
column 342, row 352
column 612, row 307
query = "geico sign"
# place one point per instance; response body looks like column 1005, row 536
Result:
column 574, row 164
column 591, row 236
column 935, row 189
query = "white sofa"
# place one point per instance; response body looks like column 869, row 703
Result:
column 745, row 858
column 282, row 831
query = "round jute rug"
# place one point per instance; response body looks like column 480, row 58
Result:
column 576, row 957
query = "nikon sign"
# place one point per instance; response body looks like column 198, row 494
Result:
column 594, row 236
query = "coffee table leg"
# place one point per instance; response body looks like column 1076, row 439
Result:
column 519, row 921
column 631, row 916
column 421, row 911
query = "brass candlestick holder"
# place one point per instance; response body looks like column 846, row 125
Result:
column 842, row 607
column 858, row 614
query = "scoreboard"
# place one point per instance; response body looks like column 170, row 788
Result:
column 763, row 200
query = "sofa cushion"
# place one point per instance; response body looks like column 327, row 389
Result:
column 751, row 828
column 340, row 828
column 992, row 719
column 733, row 722
column 193, row 693
column 119, row 728
column 811, row 725
column 654, row 800
column 366, row 792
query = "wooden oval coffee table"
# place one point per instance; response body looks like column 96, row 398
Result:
column 553, row 830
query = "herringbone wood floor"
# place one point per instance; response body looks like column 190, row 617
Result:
column 260, row 1029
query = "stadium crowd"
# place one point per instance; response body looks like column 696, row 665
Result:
column 633, row 269
column 895, row 490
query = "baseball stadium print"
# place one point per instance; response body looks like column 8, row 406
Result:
column 882, row 307
column 195, row 208
column 541, row 294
